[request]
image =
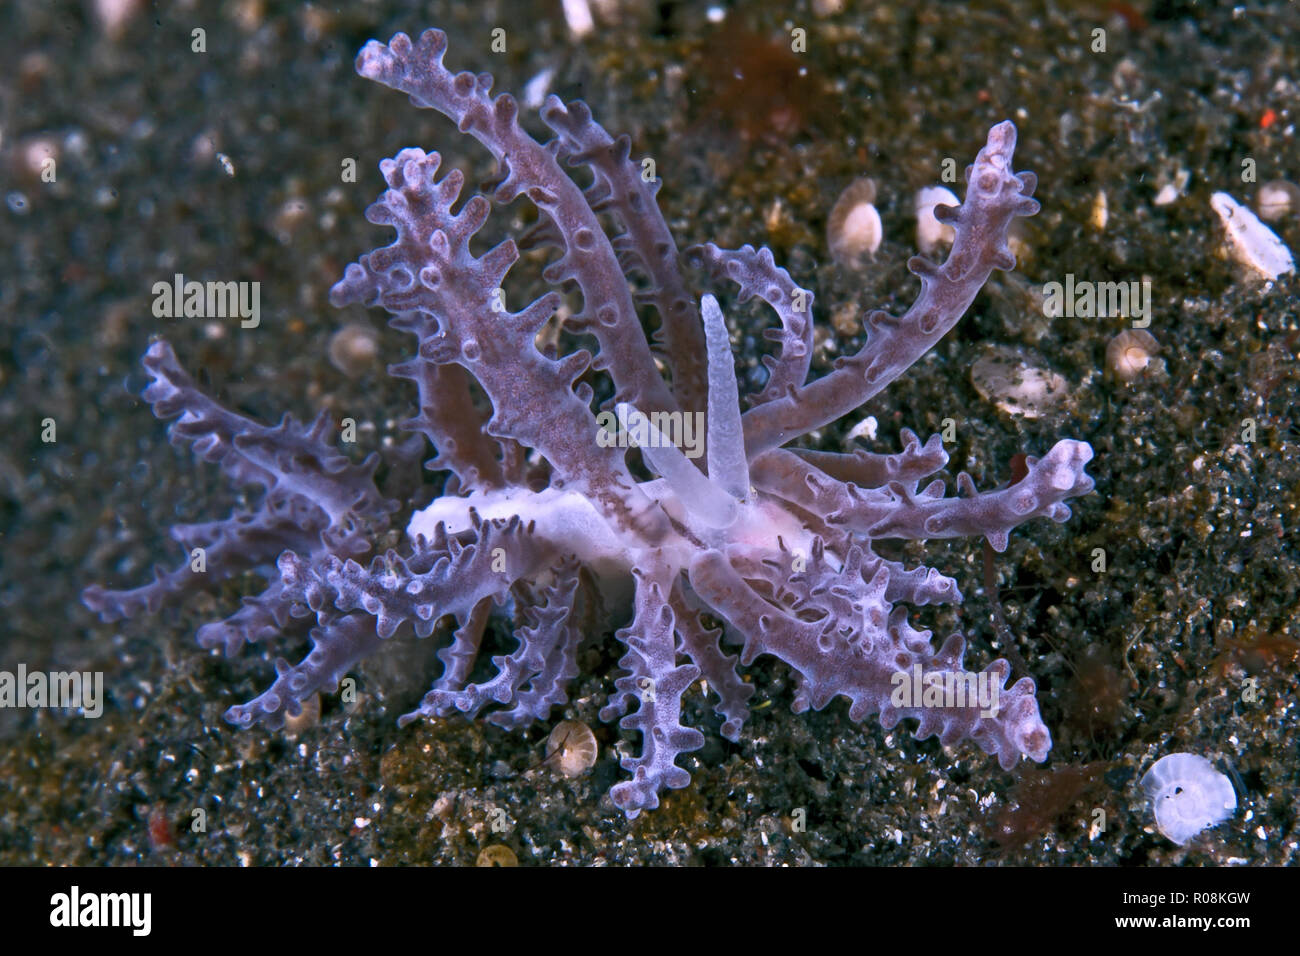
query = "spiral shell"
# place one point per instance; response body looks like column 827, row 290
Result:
column 1187, row 795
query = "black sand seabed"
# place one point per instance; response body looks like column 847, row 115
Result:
column 1198, row 525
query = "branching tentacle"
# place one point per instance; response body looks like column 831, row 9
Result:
column 542, row 512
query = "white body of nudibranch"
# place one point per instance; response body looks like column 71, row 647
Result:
column 719, row 508
column 1187, row 795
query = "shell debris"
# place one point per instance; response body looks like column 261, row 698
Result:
column 1251, row 242
column 1187, row 795
column 1171, row 187
column 1100, row 214
column 571, row 748
column 854, row 231
column 354, row 349
column 1131, row 353
column 1004, row 376
column 1277, row 199
column 930, row 232
column 497, row 855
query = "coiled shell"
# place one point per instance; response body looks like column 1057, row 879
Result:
column 1187, row 795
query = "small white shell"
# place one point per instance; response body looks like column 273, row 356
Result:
column 1006, row 377
column 1131, row 353
column 929, row 230
column 1250, row 241
column 1171, row 187
column 854, row 230
column 1187, row 795
column 572, row 747
column 1277, row 199
column 354, row 349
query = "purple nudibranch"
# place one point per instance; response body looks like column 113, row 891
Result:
column 542, row 510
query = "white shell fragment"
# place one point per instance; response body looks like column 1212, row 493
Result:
column 929, row 230
column 1006, row 377
column 1171, row 187
column 1251, row 242
column 1187, row 795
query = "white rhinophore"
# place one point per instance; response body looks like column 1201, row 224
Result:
column 728, row 466
column 706, row 501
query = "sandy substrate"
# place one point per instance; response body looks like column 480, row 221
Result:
column 226, row 165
